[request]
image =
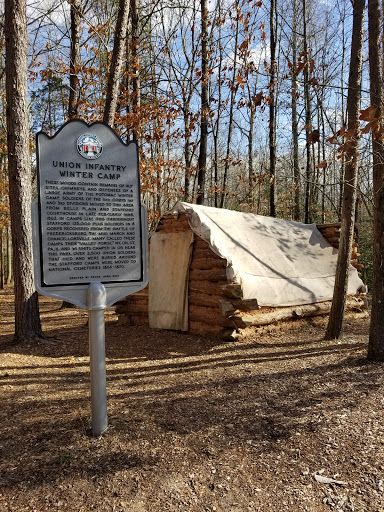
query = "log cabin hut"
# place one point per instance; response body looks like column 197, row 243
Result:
column 214, row 272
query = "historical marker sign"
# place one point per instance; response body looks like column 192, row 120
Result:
column 90, row 226
column 89, row 231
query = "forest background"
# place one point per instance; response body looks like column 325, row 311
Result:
column 159, row 100
column 234, row 104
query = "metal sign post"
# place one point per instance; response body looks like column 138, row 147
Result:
column 90, row 238
column 96, row 298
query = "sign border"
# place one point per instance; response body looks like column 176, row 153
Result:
column 41, row 133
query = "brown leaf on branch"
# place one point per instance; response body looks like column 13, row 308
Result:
column 369, row 114
column 244, row 45
column 314, row 136
column 351, row 133
column 258, row 99
column 313, row 66
column 372, row 125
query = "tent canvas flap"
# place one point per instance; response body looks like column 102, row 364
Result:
column 169, row 261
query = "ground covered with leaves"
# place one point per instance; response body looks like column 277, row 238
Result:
column 279, row 421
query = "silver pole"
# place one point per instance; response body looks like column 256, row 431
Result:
column 96, row 300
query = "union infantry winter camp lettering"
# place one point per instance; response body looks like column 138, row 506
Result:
column 73, row 170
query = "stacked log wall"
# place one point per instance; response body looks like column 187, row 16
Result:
column 133, row 310
column 208, row 289
column 331, row 232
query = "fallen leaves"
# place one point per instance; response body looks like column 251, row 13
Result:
column 194, row 424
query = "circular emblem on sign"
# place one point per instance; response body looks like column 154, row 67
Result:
column 89, row 146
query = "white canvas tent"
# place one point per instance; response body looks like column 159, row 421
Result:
column 276, row 262
column 214, row 270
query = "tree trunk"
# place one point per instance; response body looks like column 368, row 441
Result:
column 295, row 130
column 376, row 334
column 74, row 64
column 9, row 257
column 187, row 152
column 323, row 138
column 231, row 108
column 73, row 102
column 336, row 317
column 272, row 110
column 135, row 66
column 1, row 261
column 215, row 134
column 217, row 128
column 342, row 166
column 116, row 63
column 307, row 101
column 202, row 163
column 27, row 319
column 250, row 155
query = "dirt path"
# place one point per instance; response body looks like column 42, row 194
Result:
column 195, row 425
